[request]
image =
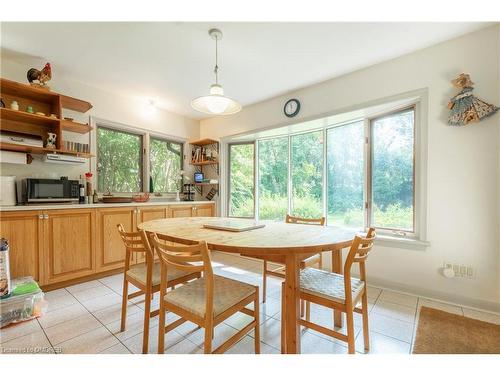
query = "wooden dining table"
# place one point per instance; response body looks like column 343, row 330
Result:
column 287, row 244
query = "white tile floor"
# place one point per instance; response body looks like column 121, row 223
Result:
column 85, row 318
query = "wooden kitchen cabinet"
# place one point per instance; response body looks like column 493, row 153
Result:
column 180, row 211
column 69, row 244
column 110, row 250
column 203, row 210
column 151, row 213
column 192, row 210
column 23, row 230
column 147, row 214
column 61, row 245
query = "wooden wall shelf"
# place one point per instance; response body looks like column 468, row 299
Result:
column 208, row 162
column 44, row 101
column 20, row 116
column 40, row 150
column 203, row 142
column 76, row 127
column 12, row 88
column 74, row 104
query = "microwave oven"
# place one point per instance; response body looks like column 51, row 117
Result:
column 38, row 190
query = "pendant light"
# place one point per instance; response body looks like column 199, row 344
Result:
column 216, row 103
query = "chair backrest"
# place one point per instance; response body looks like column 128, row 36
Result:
column 188, row 258
column 359, row 251
column 135, row 242
column 300, row 220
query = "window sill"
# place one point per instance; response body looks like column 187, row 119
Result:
column 401, row 242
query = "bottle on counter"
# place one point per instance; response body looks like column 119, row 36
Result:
column 88, row 187
column 81, row 200
column 95, row 197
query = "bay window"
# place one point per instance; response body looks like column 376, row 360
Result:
column 358, row 173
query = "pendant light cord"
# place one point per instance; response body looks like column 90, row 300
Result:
column 216, row 69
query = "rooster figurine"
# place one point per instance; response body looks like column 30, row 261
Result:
column 42, row 76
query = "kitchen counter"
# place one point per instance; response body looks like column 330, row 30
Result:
column 36, row 207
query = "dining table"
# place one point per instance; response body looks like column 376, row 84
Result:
column 278, row 242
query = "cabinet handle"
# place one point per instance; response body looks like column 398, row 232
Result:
column 138, row 210
column 40, row 216
column 45, row 216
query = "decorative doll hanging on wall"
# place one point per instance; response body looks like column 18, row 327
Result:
column 464, row 106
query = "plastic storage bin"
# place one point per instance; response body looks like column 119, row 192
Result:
column 21, row 307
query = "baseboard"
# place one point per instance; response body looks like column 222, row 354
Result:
column 453, row 299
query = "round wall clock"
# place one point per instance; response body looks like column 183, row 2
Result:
column 291, row 108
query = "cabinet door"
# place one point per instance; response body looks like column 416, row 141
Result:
column 151, row 213
column 69, row 244
column 204, row 210
column 23, row 230
column 147, row 214
column 181, row 211
column 110, row 248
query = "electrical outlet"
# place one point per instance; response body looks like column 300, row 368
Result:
column 470, row 272
column 461, row 270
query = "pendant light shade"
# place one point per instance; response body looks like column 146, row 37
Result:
column 216, row 103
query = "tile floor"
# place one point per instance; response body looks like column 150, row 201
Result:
column 85, row 318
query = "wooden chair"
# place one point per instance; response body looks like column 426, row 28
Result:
column 144, row 276
column 339, row 292
column 207, row 301
column 316, row 259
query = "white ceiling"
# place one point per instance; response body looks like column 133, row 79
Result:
column 172, row 62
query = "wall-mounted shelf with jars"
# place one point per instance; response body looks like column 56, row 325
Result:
column 36, row 112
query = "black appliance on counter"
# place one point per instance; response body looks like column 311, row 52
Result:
column 43, row 190
column 188, row 192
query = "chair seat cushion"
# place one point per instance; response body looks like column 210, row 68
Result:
column 328, row 285
column 138, row 273
column 192, row 296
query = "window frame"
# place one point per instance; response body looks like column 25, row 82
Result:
column 323, row 169
column 255, row 176
column 145, row 136
column 369, row 173
column 365, row 166
column 156, row 137
column 141, row 160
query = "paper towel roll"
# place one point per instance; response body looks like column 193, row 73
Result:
column 13, row 157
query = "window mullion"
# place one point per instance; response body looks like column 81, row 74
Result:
column 145, row 162
column 290, row 185
column 368, row 174
column 256, row 180
column 324, row 192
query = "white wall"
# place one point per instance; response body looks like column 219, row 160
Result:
column 463, row 163
column 106, row 105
